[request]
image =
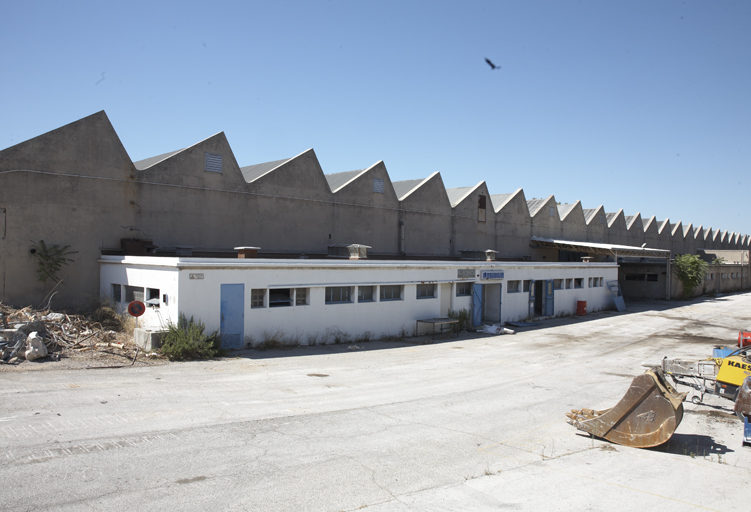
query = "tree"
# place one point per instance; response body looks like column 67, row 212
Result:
column 691, row 270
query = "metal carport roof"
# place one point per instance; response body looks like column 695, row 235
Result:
column 607, row 249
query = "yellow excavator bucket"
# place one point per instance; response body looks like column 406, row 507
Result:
column 646, row 416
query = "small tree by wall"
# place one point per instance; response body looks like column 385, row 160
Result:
column 690, row 270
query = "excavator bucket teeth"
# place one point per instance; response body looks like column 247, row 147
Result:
column 646, row 416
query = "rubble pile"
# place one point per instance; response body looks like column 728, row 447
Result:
column 31, row 335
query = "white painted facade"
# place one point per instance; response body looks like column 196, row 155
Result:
column 382, row 301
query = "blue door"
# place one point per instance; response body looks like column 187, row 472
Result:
column 233, row 315
column 476, row 304
column 500, row 304
column 549, row 290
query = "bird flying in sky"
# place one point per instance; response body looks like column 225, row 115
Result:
column 492, row 66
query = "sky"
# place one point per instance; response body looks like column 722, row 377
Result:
column 638, row 105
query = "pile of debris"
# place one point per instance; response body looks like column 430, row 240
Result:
column 31, row 335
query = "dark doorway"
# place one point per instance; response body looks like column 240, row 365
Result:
column 539, row 297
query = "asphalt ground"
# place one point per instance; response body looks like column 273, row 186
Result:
column 474, row 423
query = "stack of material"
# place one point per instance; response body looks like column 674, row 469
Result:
column 43, row 335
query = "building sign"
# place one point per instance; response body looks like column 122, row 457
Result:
column 465, row 273
column 491, row 275
column 196, row 276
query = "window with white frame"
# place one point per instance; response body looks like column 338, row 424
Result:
column 589, row 283
column 463, row 289
column 390, row 292
column 301, row 296
column 364, row 294
column 133, row 293
column 526, row 284
column 338, row 294
column 513, row 287
column 280, row 297
column 257, row 298
column 426, row 291
column 579, row 282
column 558, row 284
column 569, row 284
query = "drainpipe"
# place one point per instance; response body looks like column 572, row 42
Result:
column 401, row 238
column 670, row 278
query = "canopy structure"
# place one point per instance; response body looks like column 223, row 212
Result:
column 624, row 251
column 606, row 249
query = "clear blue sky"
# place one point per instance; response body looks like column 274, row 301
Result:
column 639, row 105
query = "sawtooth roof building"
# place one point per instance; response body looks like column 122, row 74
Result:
column 77, row 186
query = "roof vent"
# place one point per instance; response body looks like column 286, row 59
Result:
column 486, row 255
column 247, row 252
column 350, row 251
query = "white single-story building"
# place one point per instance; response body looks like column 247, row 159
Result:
column 306, row 301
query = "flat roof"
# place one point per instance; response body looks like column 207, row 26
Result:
column 190, row 262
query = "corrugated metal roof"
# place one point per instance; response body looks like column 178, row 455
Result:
column 500, row 200
column 534, row 205
column 589, row 213
column 404, row 187
column 338, row 179
column 611, row 217
column 457, row 194
column 148, row 162
column 564, row 209
column 253, row 172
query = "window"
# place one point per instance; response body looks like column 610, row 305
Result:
column 133, row 293
column 463, row 289
column 257, row 298
column 569, row 284
column 481, row 202
column 364, row 294
column 558, row 284
column 513, row 286
column 152, row 297
column 212, row 162
column 280, row 298
column 579, row 282
column 377, row 186
column 634, row 277
column 551, row 210
column 426, row 291
column 589, row 283
column 301, row 296
column 526, row 285
column 650, row 277
column 338, row 294
column 391, row 292
column 117, row 293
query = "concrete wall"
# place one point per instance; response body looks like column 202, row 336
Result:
column 426, row 216
column 73, row 186
column 513, row 227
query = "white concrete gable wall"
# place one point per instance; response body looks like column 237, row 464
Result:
column 200, row 296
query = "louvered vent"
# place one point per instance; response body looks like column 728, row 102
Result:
column 213, row 162
column 377, row 186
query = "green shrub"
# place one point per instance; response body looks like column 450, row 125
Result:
column 463, row 316
column 186, row 340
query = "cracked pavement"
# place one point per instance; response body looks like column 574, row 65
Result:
column 474, row 423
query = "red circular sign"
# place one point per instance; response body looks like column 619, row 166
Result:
column 136, row 308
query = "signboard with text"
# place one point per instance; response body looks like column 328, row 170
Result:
column 491, row 275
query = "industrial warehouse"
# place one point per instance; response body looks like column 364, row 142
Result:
column 142, row 229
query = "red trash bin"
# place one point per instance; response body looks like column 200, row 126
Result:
column 581, row 307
